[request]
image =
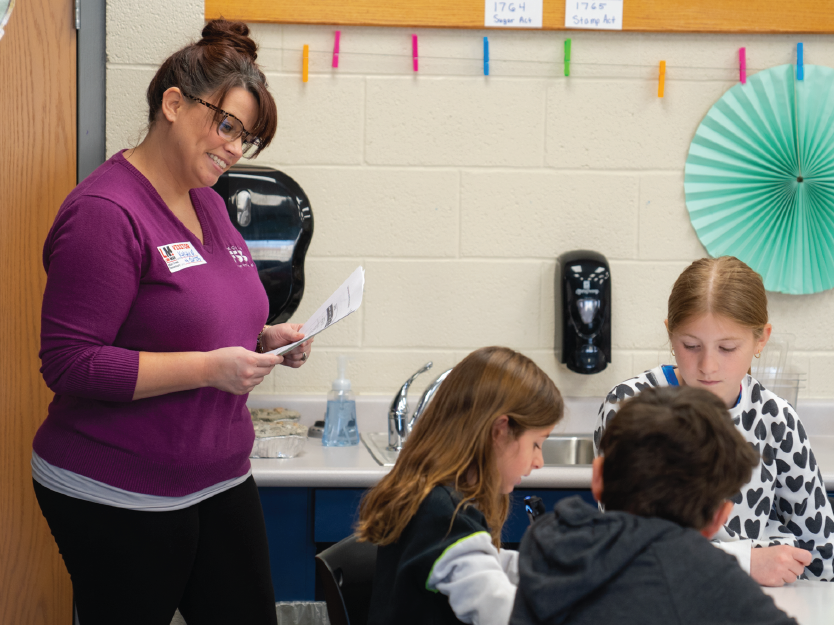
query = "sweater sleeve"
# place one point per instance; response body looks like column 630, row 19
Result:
column 509, row 563
column 739, row 549
column 801, row 513
column 470, row 573
column 93, row 264
column 607, row 410
column 613, row 400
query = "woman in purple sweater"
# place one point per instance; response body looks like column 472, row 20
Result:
column 141, row 467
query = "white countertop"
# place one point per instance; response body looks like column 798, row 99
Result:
column 354, row 467
column 810, row 603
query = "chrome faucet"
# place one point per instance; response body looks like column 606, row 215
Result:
column 398, row 413
column 425, row 398
column 399, row 425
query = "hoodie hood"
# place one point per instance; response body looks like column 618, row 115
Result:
column 568, row 555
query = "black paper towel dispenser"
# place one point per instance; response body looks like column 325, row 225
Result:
column 584, row 284
column 273, row 214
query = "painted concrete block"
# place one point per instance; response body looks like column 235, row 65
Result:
column 320, row 122
column 666, row 232
column 462, row 121
column 543, row 214
column 449, row 305
column 371, row 212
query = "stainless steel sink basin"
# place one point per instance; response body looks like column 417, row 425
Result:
column 568, row 449
column 377, row 444
column 565, row 449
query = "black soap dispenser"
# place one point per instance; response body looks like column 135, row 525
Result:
column 584, row 288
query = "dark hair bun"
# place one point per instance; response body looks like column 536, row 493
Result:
column 233, row 34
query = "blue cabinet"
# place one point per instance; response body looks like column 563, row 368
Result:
column 292, row 550
column 302, row 521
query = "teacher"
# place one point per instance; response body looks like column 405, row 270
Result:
column 152, row 336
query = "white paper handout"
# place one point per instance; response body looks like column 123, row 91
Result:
column 346, row 299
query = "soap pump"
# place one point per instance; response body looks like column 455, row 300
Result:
column 340, row 421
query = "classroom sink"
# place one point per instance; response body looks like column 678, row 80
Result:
column 377, row 444
column 567, row 449
column 561, row 450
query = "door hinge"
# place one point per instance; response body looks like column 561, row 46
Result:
column 77, row 14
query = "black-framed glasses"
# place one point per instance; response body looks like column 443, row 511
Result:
column 230, row 128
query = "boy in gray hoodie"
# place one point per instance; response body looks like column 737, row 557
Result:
column 669, row 464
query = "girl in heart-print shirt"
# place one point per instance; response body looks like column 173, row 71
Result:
column 782, row 524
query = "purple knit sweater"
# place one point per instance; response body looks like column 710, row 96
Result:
column 101, row 308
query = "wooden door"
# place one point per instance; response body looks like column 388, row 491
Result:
column 37, row 170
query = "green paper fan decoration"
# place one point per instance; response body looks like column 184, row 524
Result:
column 759, row 178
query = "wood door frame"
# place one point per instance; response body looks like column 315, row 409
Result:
column 37, row 170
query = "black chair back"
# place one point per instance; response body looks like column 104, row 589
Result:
column 346, row 572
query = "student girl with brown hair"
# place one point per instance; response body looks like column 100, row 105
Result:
column 437, row 516
column 782, row 525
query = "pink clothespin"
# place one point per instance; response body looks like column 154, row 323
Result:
column 742, row 65
column 414, row 50
column 336, row 49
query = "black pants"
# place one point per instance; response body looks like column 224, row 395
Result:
column 209, row 560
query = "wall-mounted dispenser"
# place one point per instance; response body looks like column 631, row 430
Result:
column 274, row 216
column 584, row 291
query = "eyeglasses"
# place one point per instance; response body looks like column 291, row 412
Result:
column 230, row 128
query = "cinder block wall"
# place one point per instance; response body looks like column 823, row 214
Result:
column 456, row 192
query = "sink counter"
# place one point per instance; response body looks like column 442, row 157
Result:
column 353, row 467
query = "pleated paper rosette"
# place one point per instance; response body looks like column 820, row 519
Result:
column 759, row 178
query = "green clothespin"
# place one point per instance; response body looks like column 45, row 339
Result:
column 567, row 57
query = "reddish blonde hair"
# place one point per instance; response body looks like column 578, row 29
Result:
column 452, row 442
column 722, row 286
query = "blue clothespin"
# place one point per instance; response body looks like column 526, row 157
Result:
column 486, row 56
column 800, row 69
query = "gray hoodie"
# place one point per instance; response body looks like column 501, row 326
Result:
column 579, row 565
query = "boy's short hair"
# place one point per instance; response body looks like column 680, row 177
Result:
column 674, row 453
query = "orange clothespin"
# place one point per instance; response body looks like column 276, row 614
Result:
column 662, row 79
column 305, row 63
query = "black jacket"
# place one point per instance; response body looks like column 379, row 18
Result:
column 400, row 591
column 581, row 566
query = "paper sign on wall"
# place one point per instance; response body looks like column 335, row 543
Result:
column 602, row 15
column 513, row 14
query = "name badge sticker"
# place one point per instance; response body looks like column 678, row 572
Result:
column 180, row 256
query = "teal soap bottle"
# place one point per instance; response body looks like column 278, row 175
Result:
column 340, row 421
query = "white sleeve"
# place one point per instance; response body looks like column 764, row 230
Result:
column 509, row 562
column 739, row 549
column 471, row 574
